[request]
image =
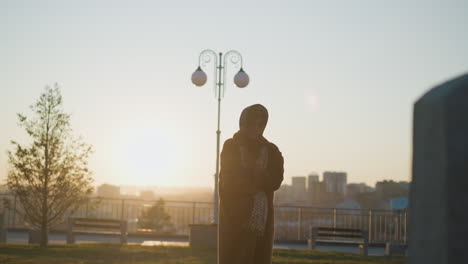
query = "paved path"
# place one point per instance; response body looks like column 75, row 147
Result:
column 22, row 238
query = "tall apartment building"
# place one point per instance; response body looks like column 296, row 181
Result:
column 313, row 189
column 298, row 188
column 335, row 182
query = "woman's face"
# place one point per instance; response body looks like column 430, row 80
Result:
column 254, row 131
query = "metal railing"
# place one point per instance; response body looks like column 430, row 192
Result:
column 294, row 222
column 291, row 222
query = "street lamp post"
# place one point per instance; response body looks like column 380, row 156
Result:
column 241, row 80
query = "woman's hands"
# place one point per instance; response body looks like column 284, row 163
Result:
column 260, row 177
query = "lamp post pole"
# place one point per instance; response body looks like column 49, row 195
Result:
column 218, row 138
column 241, row 79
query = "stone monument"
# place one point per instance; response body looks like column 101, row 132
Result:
column 438, row 208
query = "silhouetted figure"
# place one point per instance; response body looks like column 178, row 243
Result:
column 251, row 170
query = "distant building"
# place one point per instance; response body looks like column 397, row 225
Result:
column 335, row 182
column 334, row 188
column 283, row 195
column 314, row 189
column 349, row 204
column 387, row 190
column 299, row 188
column 353, row 190
column 358, row 187
column 404, row 185
column 332, row 191
column 108, row 190
column 147, row 195
column 312, row 178
column 299, row 183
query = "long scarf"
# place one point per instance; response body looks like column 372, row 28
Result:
column 259, row 213
column 255, row 115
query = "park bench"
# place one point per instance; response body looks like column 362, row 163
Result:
column 344, row 233
column 98, row 226
column 395, row 248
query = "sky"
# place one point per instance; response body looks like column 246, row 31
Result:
column 339, row 79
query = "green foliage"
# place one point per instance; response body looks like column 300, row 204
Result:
column 156, row 218
column 50, row 175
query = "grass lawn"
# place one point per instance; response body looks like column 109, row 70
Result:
column 115, row 253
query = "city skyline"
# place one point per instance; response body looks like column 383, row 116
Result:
column 339, row 80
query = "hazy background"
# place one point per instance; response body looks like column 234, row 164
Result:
column 338, row 77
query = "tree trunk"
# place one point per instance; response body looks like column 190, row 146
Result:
column 45, row 208
column 44, row 235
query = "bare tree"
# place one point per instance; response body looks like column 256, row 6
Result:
column 49, row 175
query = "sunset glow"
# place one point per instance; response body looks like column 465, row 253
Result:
column 146, row 156
column 338, row 79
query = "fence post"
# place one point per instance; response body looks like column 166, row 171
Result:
column 405, row 236
column 123, row 232
column 299, row 222
column 312, row 242
column 194, row 205
column 122, row 209
column 364, row 248
column 370, row 225
column 334, row 217
column 396, row 221
column 69, row 236
column 399, row 226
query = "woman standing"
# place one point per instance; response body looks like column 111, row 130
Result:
column 251, row 170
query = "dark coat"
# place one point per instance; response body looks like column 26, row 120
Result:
column 237, row 186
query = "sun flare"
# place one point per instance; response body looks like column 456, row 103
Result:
column 147, row 156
